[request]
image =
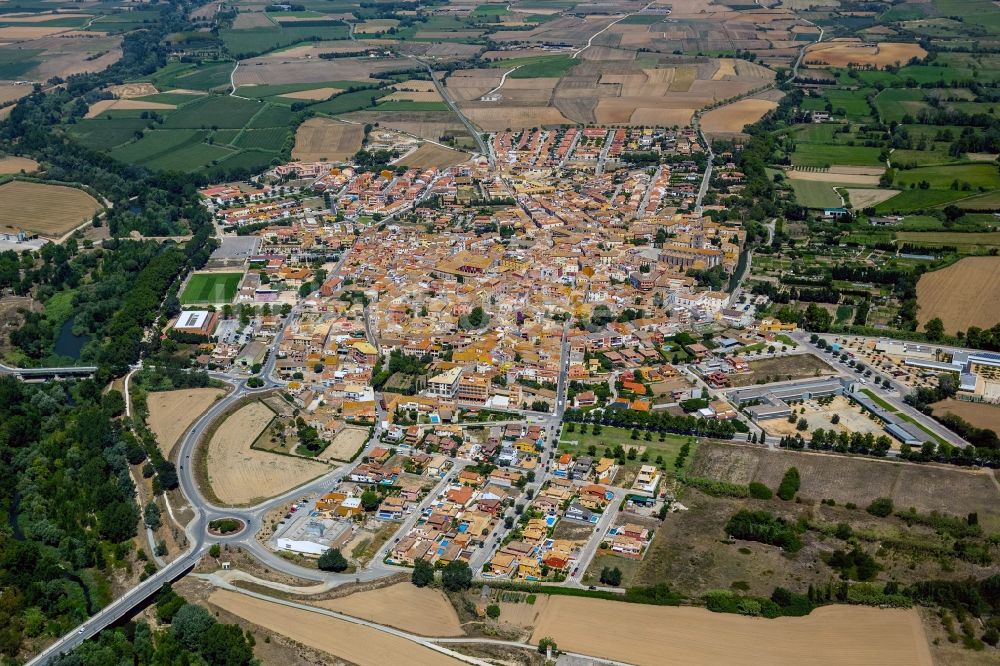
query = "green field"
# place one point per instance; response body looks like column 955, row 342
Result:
column 537, row 66
column 254, row 41
column 196, row 77
column 824, row 155
column 347, row 102
column 211, row 288
column 895, row 103
column 943, row 177
column 214, row 111
column 815, row 194
column 908, row 200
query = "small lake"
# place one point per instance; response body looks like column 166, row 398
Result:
column 69, row 344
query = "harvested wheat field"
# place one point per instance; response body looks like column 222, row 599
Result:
column 962, row 295
column 314, row 94
column 358, row 644
column 130, row 90
column 865, row 198
column 421, row 610
column 979, row 414
column 841, row 53
column 99, row 107
column 48, row 210
column 413, row 96
column 172, row 412
column 638, row 634
column 830, row 176
column 434, row 155
column 17, row 165
column 645, row 115
column 12, row 92
column 326, row 139
column 732, row 118
column 494, row 119
column 241, row 475
column 30, row 32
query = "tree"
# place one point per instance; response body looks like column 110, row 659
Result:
column 423, row 573
column 934, row 329
column 190, row 624
column 611, row 576
column 835, row 419
column 789, row 484
column 225, row 645
column 332, row 560
column 802, row 425
column 370, row 500
column 114, row 402
column 215, row 551
column 457, row 576
column 545, row 644
column 151, row 516
column 759, row 491
column 493, row 611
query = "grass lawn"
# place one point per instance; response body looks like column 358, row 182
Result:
column 211, row 288
column 879, row 401
column 610, row 437
column 815, row 194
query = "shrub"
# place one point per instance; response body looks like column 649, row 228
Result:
column 764, row 527
column 881, row 507
column 759, row 491
column 493, row 611
column 789, row 484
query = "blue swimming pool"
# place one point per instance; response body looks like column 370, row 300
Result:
column 435, row 418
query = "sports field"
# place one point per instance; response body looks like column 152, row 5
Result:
column 211, row 288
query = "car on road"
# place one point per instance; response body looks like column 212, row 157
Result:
column 591, row 587
column 575, row 572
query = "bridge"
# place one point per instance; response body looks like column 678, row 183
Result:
column 44, row 374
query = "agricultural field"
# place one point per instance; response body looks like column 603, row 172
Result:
column 237, row 474
column 732, row 118
column 843, row 634
column 212, row 288
column 979, row 414
column 433, row 155
column 12, row 164
column 320, row 139
column 844, row 52
column 47, row 210
column 172, row 412
column 424, row 611
column 961, row 295
column 356, row 643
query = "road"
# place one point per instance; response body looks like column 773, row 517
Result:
column 473, row 130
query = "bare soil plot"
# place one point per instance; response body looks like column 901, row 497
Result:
column 48, row 210
column 313, row 94
column 415, row 85
column 239, row 474
column 99, row 107
column 345, row 444
column 852, row 419
column 326, row 139
column 425, row 611
column 41, row 18
column 433, row 155
column 865, row 198
column 17, row 165
column 172, row 412
column 979, row 414
column 962, row 295
column 358, row 644
column 732, row 118
column 847, row 635
column 830, row 176
column 841, row 53
column 130, row 90
column 783, row 368
column 283, row 67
